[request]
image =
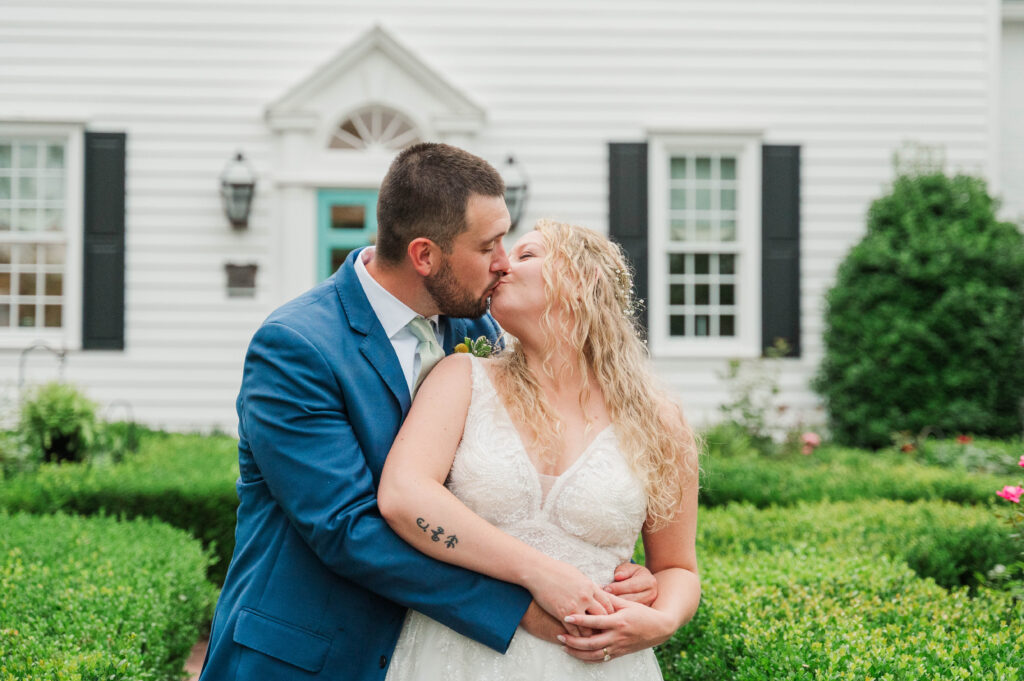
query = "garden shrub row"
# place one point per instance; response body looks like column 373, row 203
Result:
column 803, row 614
column 836, row 474
column 948, row 543
column 98, row 598
column 187, row 481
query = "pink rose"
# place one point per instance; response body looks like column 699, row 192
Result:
column 810, row 441
column 1011, row 493
column 1021, row 462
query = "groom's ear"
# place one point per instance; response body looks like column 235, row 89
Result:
column 424, row 255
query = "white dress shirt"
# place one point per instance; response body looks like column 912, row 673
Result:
column 394, row 316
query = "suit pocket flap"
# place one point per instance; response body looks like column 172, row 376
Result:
column 286, row 642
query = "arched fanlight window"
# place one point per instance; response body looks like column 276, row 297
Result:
column 375, row 127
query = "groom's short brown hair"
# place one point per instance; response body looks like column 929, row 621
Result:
column 425, row 194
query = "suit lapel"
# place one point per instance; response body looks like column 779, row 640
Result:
column 376, row 346
column 454, row 333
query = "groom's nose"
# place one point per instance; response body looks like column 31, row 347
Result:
column 499, row 264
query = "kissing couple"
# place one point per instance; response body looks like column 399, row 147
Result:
column 484, row 529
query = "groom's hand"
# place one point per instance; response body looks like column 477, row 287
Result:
column 539, row 623
column 634, row 583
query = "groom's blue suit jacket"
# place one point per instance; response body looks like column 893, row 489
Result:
column 318, row 584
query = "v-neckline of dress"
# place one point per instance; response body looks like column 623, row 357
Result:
column 561, row 477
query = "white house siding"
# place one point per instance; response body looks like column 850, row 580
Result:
column 188, row 81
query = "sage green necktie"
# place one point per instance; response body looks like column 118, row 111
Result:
column 429, row 349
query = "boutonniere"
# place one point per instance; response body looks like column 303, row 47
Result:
column 481, row 347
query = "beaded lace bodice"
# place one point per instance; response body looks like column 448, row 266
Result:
column 590, row 518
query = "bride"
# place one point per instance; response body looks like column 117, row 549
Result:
column 541, row 466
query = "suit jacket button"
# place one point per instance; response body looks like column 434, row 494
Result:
column 383, row 661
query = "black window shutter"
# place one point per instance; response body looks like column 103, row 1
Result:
column 627, row 210
column 103, row 242
column 780, row 246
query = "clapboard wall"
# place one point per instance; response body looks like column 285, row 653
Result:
column 188, row 81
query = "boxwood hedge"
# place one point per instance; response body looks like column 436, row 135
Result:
column 803, row 614
column 98, row 598
column 187, row 481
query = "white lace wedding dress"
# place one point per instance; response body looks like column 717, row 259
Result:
column 590, row 518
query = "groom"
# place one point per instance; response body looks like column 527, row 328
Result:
column 318, row 583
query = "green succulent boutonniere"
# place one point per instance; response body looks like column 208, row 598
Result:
column 481, row 347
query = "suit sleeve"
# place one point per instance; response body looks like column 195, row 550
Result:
column 307, row 452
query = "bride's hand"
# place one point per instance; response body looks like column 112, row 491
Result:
column 562, row 590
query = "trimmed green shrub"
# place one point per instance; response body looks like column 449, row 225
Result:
column 837, row 474
column 187, row 481
column 948, row 543
column 925, row 324
column 95, row 598
column 58, row 422
column 803, row 615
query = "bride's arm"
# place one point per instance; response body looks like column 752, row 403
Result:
column 671, row 555
column 413, row 500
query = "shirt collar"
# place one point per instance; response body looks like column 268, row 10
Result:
column 393, row 314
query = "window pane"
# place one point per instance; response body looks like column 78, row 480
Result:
column 348, row 217
column 51, row 315
column 727, row 325
column 702, row 294
column 678, row 200
column 5, row 283
column 5, row 155
column 677, row 263
column 678, row 230
column 54, row 254
column 677, row 294
column 5, row 254
column 728, row 168
column 26, row 315
column 728, row 199
column 701, row 263
column 54, row 284
column 703, row 168
column 701, row 323
column 338, row 256
column 703, row 230
column 678, row 168
column 25, row 219
column 27, row 188
column 53, row 220
column 5, row 219
column 27, row 284
column 728, row 230
column 677, row 325
column 703, row 199
column 727, row 263
column 28, row 155
column 726, row 294
column 5, row 188
column 53, row 188
column 5, row 315
column 25, row 254
column 55, row 156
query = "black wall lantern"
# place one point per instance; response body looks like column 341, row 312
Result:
column 237, row 187
column 515, row 190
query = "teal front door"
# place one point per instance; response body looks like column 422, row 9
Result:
column 346, row 220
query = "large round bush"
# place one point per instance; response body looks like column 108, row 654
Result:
column 925, row 324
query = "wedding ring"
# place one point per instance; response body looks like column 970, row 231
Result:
column 607, row 656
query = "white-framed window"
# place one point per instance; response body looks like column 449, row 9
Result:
column 704, row 245
column 40, row 234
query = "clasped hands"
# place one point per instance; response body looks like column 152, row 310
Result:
column 595, row 624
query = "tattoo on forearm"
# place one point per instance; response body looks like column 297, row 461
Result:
column 435, row 535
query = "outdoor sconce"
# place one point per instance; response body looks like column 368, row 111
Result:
column 515, row 190
column 237, row 187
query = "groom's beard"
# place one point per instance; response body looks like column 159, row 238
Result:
column 450, row 297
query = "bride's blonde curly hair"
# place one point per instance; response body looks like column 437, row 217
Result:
column 588, row 277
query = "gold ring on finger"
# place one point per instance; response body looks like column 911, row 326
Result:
column 607, row 655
